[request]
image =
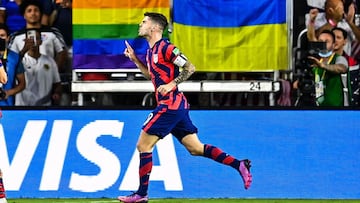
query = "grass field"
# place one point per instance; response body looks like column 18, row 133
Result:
column 181, row 201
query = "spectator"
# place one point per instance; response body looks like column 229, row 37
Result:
column 43, row 86
column 61, row 18
column 3, row 75
column 350, row 80
column 11, row 16
column 333, row 17
column 327, row 71
column 53, row 43
column 14, row 69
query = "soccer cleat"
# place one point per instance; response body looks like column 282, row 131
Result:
column 133, row 198
column 244, row 170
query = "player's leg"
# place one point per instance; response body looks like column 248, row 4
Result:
column 196, row 148
column 157, row 126
column 145, row 147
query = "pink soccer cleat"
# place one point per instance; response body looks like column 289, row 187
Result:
column 133, row 198
column 244, row 170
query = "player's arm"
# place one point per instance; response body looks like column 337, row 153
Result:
column 188, row 70
column 130, row 53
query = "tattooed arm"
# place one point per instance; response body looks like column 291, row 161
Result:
column 188, row 70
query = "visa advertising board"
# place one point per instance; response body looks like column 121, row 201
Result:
column 92, row 153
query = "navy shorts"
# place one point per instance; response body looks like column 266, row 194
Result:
column 163, row 121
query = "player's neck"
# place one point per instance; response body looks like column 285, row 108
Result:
column 154, row 38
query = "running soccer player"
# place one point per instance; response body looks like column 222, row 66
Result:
column 172, row 112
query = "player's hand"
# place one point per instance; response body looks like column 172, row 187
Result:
column 166, row 88
column 129, row 51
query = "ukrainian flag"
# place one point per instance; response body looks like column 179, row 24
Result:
column 100, row 28
column 232, row 35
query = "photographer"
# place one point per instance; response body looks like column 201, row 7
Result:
column 327, row 71
column 14, row 68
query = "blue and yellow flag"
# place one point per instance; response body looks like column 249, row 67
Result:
column 232, row 35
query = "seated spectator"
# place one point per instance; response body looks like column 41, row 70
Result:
column 14, row 69
column 11, row 16
column 43, row 86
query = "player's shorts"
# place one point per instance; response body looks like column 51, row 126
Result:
column 163, row 121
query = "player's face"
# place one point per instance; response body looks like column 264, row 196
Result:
column 32, row 14
column 145, row 27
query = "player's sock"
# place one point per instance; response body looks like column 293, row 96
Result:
column 218, row 155
column 144, row 172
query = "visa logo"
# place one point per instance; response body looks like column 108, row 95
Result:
column 108, row 162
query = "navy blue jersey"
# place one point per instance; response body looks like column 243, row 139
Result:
column 160, row 62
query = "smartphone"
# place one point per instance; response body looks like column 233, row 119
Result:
column 31, row 34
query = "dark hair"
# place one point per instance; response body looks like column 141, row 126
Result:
column 329, row 32
column 4, row 27
column 342, row 30
column 157, row 18
column 26, row 3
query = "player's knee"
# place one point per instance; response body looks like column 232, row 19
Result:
column 143, row 148
column 195, row 152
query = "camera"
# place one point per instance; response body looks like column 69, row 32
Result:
column 304, row 73
column 315, row 49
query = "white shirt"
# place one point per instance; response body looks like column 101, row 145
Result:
column 52, row 41
column 40, row 75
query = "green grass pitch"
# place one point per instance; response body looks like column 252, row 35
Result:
column 183, row 201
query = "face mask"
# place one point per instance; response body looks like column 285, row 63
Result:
column 325, row 54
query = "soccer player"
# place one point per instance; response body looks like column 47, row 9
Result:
column 172, row 112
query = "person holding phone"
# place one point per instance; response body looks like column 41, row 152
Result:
column 43, row 85
column 53, row 43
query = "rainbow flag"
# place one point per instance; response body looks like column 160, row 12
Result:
column 100, row 28
column 232, row 35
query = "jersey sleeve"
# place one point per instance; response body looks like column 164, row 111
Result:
column 174, row 55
